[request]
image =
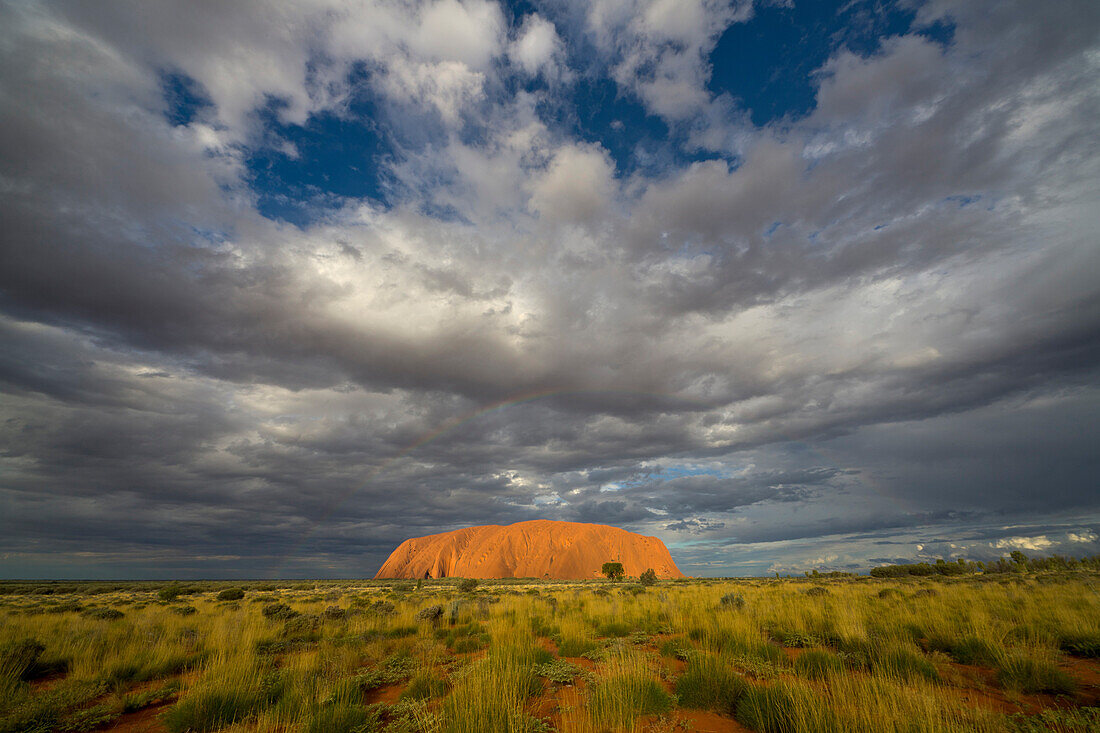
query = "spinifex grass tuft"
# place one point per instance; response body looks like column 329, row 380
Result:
column 710, row 682
column 785, row 707
column 1024, row 672
column 626, row 688
column 818, row 664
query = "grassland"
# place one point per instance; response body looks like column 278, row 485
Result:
column 977, row 653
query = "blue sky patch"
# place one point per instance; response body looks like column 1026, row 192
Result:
column 768, row 63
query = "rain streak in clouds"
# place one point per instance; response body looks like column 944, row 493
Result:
column 787, row 285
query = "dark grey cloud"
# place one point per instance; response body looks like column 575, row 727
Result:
column 882, row 323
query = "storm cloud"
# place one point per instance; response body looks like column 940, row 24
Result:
column 281, row 287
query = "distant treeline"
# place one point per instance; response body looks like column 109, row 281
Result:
column 1017, row 562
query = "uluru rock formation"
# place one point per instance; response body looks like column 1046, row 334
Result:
column 536, row 549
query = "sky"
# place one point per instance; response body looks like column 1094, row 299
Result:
column 789, row 285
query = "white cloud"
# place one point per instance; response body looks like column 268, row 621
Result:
column 448, row 86
column 538, row 48
column 658, row 48
column 577, row 187
column 1037, row 543
column 470, row 32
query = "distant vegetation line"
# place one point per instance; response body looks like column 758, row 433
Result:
column 1017, row 562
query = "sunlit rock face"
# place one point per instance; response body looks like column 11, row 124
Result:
column 537, row 549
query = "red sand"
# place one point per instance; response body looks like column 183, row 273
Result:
column 537, row 549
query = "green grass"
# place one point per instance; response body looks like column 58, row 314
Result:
column 619, row 699
column 967, row 649
column 1025, row 673
column 425, row 685
column 906, row 664
column 211, row 708
column 710, row 683
column 576, row 646
column 785, row 708
column 818, row 664
column 312, row 660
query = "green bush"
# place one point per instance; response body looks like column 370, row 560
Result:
column 649, row 577
column 613, row 570
column 231, row 594
column 558, row 670
column 736, row 601
column 170, row 593
column 278, row 611
column 431, row 613
column 104, row 614
column 467, row 585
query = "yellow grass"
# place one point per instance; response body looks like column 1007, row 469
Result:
column 237, row 669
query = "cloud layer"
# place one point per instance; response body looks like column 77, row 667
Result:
column 282, row 287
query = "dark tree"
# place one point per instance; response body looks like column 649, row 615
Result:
column 613, row 570
column 649, row 577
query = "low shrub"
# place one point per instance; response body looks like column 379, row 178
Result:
column 231, row 594
column 301, row 625
column 278, row 612
column 1074, row 720
column 104, row 614
column 797, row 639
column 431, row 613
column 558, row 670
column 735, row 601
column 817, row 591
column 649, row 577
column 334, row 613
column 66, row 607
column 467, row 585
